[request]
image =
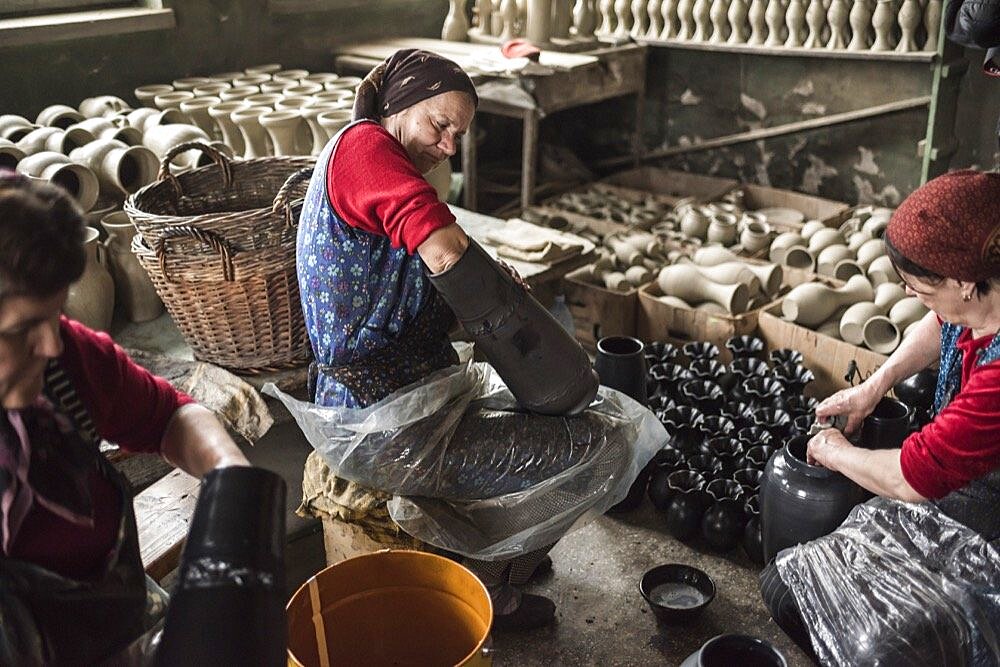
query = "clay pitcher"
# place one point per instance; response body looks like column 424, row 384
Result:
column 91, row 299
column 133, row 288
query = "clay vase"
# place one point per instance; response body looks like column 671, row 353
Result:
column 824, row 238
column 906, row 311
column 852, row 323
column 800, row 502
column 14, row 128
column 81, row 183
column 161, row 138
column 725, row 650
column 753, row 543
column 238, row 93
column 59, row 115
column 91, row 299
column 723, row 522
column 146, row 94
column 133, row 288
column 121, row 170
column 831, row 326
column 685, row 282
column 221, row 114
column 10, row 154
column 781, row 244
column 828, row 257
column 810, row 304
column 887, row 426
column 620, row 365
column 882, row 271
column 881, row 335
column 687, row 505
column 283, row 128
column 745, row 346
column 145, row 118
column 682, row 425
column 103, row 105
column 54, row 139
column 333, row 121
column 722, row 229
column 858, row 239
column 694, row 224
column 197, row 110
column 756, row 237
column 190, row 82
column 868, row 251
column 728, row 273
column 104, row 128
column 211, row 89
column 254, row 135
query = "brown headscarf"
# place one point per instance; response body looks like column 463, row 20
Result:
column 951, row 226
column 407, row 77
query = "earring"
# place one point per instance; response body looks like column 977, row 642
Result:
column 967, row 297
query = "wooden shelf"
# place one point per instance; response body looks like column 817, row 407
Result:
column 795, row 52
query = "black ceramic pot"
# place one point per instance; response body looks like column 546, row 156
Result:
column 752, row 436
column 748, row 478
column 700, row 350
column 917, row 391
column 763, row 391
column 737, row 413
column 667, row 461
column 635, row 493
column 793, row 377
column 711, row 370
column 682, row 424
column 668, row 379
column 745, row 346
column 723, row 522
column 620, row 365
column 704, row 395
column 663, row 350
column 705, row 465
column 800, row 502
column 784, row 356
column 731, row 650
column 727, row 451
column 800, row 405
column 714, row 426
column 677, row 593
column 801, row 425
column 687, row 505
column 887, row 426
column 757, row 457
column 659, row 402
column 748, row 367
column 752, row 544
column 774, row 421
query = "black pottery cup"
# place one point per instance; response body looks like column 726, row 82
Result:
column 711, row 370
column 727, row 451
column 676, row 593
column 763, row 391
column 745, row 346
column 774, row 420
column 700, row 350
column 620, row 365
column 705, row 465
column 688, row 503
column 683, row 425
column 784, row 356
column 704, row 395
column 753, row 543
column 887, row 426
column 793, row 377
column 757, row 457
column 729, row 650
column 753, row 436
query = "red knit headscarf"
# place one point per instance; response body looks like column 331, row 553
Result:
column 951, row 226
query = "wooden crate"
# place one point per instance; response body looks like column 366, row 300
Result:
column 829, row 358
column 598, row 312
column 831, row 213
column 672, row 185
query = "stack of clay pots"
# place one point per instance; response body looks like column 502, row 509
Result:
column 627, row 261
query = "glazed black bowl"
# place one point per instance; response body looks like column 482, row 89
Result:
column 677, row 593
column 726, row 450
column 775, row 421
column 737, row 413
column 704, row 395
column 748, row 367
column 706, row 369
column 700, row 350
column 744, row 650
column 801, row 424
column 887, row 426
column 745, row 346
column 763, row 391
column 668, row 378
column 793, row 377
column 682, row 424
column 716, row 425
column 757, row 457
column 917, row 391
column 663, row 350
column 753, row 436
column 705, row 465
column 785, row 356
column 800, row 405
column 748, row 478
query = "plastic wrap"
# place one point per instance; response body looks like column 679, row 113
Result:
column 898, row 583
column 472, row 472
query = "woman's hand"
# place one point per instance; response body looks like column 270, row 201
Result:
column 854, row 404
column 823, row 448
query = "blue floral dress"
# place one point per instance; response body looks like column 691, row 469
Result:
column 375, row 322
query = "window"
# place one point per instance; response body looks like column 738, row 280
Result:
column 34, row 7
column 29, row 22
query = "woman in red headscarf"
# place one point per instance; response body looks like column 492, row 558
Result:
column 944, row 241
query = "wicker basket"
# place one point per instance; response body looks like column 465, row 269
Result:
column 248, row 203
column 239, row 310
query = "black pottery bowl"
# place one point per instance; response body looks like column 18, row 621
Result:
column 726, row 450
column 749, row 479
column 706, row 369
column 763, row 391
column 668, row 378
column 660, row 402
column 785, row 356
column 716, row 425
column 663, row 350
column 793, row 377
column 801, row 424
column 757, row 457
column 700, row 350
column 753, row 436
column 677, row 593
column 702, row 394
column 705, row 465
column 800, row 405
column 745, row 346
column 748, row 367
column 728, row 650
column 774, row 420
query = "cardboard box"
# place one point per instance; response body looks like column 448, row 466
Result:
column 829, row 358
column 672, row 185
column 597, row 311
column 831, row 213
column 656, row 320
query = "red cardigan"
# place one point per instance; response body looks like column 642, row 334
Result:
column 963, row 441
column 129, row 406
column 374, row 186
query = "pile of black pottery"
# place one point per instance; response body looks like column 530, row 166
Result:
column 725, row 422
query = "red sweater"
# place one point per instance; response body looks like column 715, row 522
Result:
column 129, row 406
column 374, row 186
column 963, row 441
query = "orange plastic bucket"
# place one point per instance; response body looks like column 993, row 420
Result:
column 390, row 608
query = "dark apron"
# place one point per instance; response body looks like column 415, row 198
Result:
column 49, row 619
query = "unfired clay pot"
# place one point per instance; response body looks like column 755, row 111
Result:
column 221, row 114
column 80, row 182
column 91, row 299
column 120, row 169
column 54, row 139
column 685, row 282
column 907, row 311
column 102, row 105
column 133, row 288
column 14, row 128
column 283, row 127
column 812, row 303
column 781, row 244
column 881, row 271
column 10, row 154
column 161, row 138
column 59, row 115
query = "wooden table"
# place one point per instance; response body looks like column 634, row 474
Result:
column 577, row 79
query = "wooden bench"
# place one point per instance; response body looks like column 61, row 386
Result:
column 163, row 515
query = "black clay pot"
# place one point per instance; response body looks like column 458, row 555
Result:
column 700, row 350
column 705, row 465
column 784, row 356
column 711, row 370
column 723, row 522
column 757, row 457
column 682, row 424
column 800, row 502
column 774, row 421
column 660, row 402
column 706, row 396
column 663, row 350
column 730, row 650
column 763, row 391
column 727, row 451
column 800, row 425
column 620, row 365
column 677, row 593
column 747, row 367
column 745, row 346
column 716, row 425
column 651, row 358
column 752, row 539
column 633, row 498
column 753, row 436
column 887, row 426
column 800, row 405
column 793, row 377
column 748, row 478
column 670, row 457
column 688, row 504
column 668, row 379
column 917, row 391
column 667, row 461
column 232, row 575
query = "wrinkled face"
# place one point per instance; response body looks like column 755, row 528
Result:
column 29, row 337
column 944, row 298
column 430, row 130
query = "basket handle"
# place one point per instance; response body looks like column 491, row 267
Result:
column 281, row 199
column 217, row 243
column 217, row 156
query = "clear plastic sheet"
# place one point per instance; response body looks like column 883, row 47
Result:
column 472, row 472
column 898, row 583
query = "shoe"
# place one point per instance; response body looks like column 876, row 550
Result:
column 535, row 611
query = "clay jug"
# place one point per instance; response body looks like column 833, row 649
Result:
column 887, row 294
column 54, row 139
column 81, row 183
column 133, row 288
column 456, row 23
column 59, row 115
column 811, row 228
column 694, row 224
column 687, row 505
column 800, row 502
column 713, row 255
column 799, row 257
column 91, row 299
column 882, row 271
column 145, row 118
column 283, row 128
column 103, row 128
column 869, row 251
column 238, row 93
column 14, row 128
column 858, row 239
column 728, row 273
column 781, row 244
column 10, row 154
column 852, row 323
column 197, row 111
column 907, row 311
column 812, row 303
column 828, row 257
column 685, row 282
column 722, row 229
column 887, row 426
column 221, row 114
column 755, row 237
column 121, row 170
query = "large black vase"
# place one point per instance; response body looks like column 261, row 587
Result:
column 229, row 604
column 723, row 522
column 887, row 426
column 687, row 505
column 800, row 502
column 620, row 365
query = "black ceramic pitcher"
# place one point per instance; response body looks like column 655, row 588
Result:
column 887, row 426
column 620, row 365
column 800, row 502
